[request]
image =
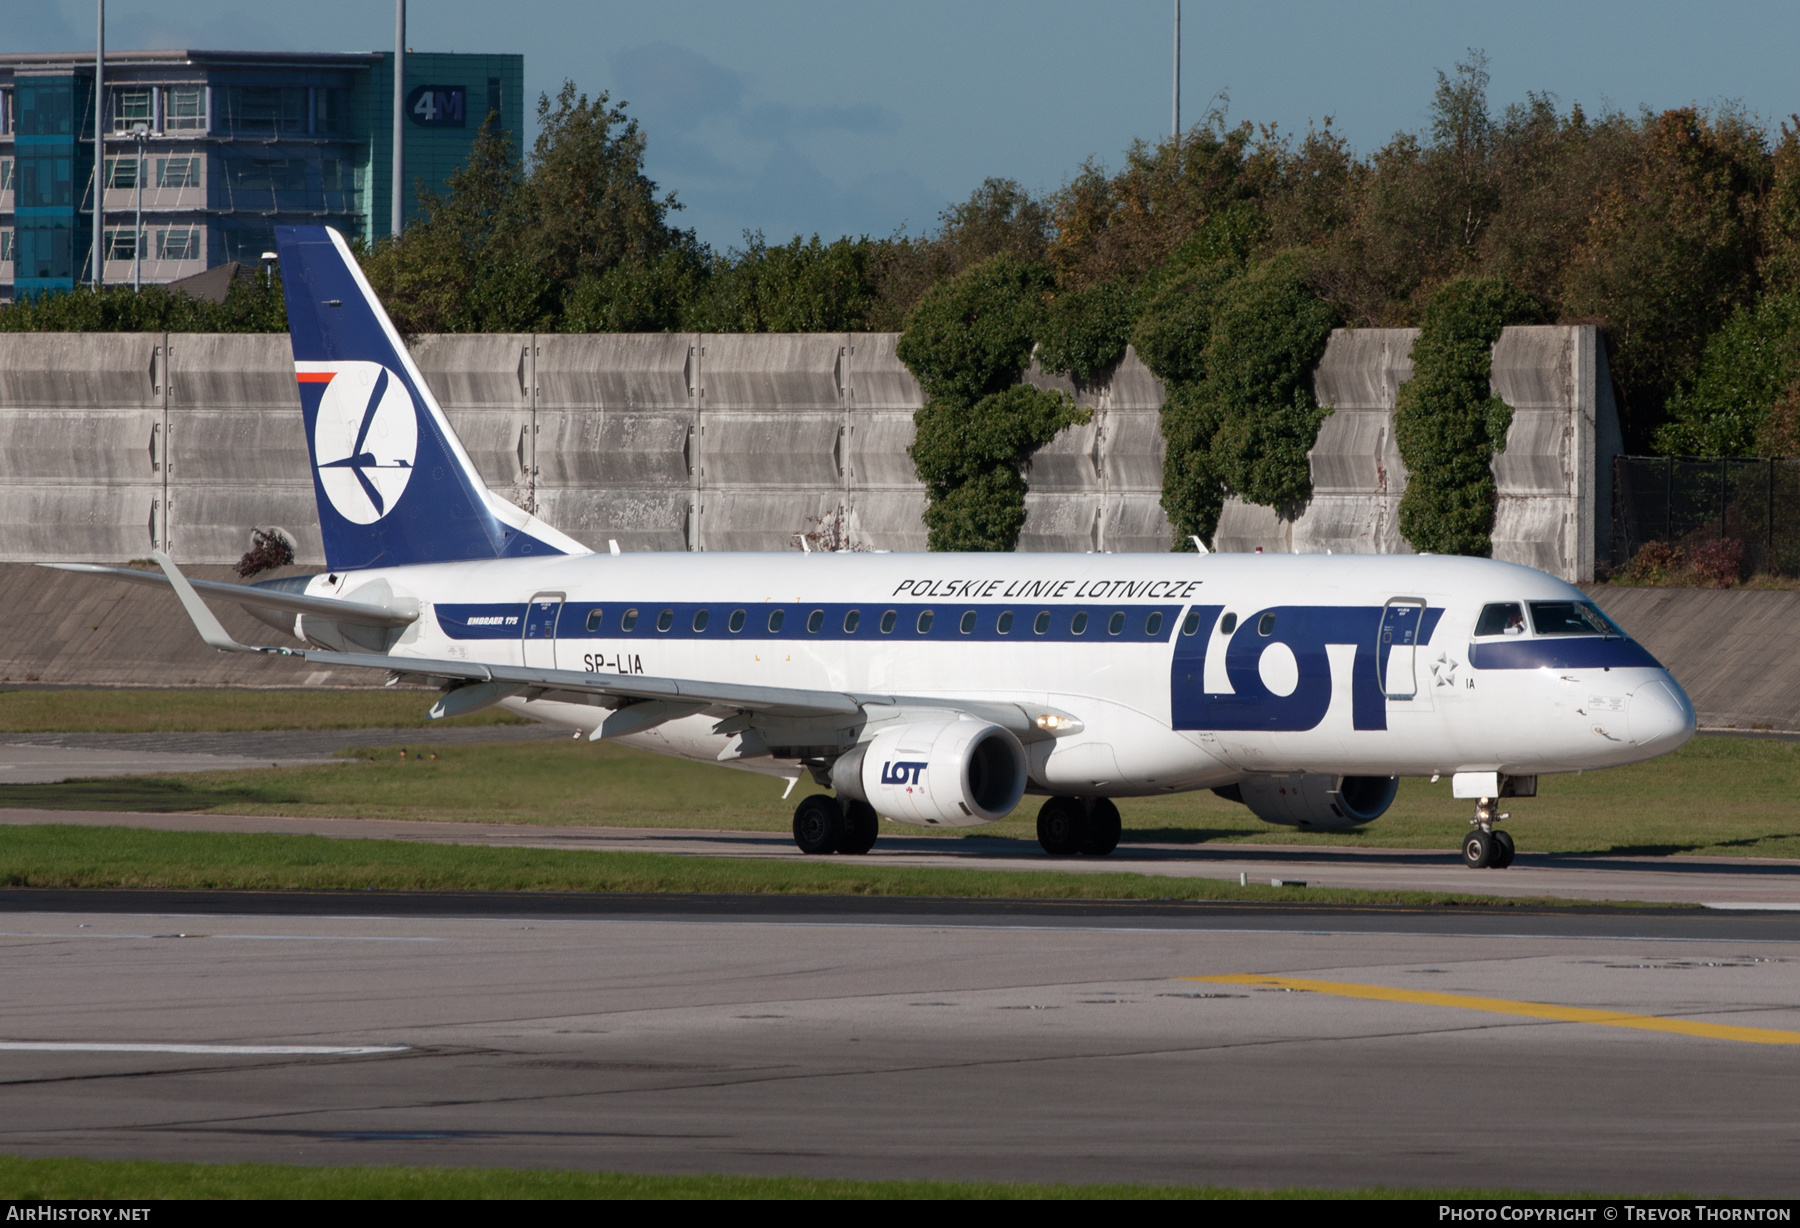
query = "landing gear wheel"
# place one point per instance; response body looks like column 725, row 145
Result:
column 818, row 824
column 1503, row 851
column 1103, row 828
column 1063, row 826
column 861, row 826
column 1477, row 849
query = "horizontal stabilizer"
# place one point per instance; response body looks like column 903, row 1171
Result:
column 356, row 613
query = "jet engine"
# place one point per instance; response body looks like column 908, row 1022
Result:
column 958, row 772
column 1322, row 803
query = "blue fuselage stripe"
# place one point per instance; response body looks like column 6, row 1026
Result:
column 1561, row 652
column 577, row 620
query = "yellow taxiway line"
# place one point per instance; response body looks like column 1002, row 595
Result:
column 1505, row 1006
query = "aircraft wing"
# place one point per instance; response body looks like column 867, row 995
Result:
column 493, row 682
column 356, row 612
column 517, row 679
column 642, row 701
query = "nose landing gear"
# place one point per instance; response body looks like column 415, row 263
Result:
column 1486, row 847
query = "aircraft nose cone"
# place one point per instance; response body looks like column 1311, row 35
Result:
column 1660, row 715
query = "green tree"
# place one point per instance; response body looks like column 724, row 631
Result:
column 1084, row 332
column 253, row 304
column 1125, row 225
column 1746, row 367
column 966, row 342
column 797, row 287
column 508, row 246
column 1447, row 422
column 1236, row 349
column 1670, row 252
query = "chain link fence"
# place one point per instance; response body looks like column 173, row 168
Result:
column 1740, row 503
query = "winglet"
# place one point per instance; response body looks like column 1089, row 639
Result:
column 205, row 622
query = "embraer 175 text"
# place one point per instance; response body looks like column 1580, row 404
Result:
column 932, row 688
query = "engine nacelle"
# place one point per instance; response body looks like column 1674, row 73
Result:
column 1322, row 803
column 958, row 772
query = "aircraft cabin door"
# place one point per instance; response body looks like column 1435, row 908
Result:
column 540, row 630
column 1397, row 647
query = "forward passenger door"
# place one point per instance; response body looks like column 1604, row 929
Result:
column 540, row 631
column 1397, row 646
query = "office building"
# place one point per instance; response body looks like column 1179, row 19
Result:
column 217, row 148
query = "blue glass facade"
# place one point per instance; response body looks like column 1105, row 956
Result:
column 50, row 117
column 213, row 150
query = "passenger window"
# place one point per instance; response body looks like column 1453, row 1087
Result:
column 924, row 621
column 701, row 618
column 1501, row 618
column 665, row 620
column 1004, row 624
column 1078, row 624
column 1191, row 624
column 736, row 623
column 593, row 622
column 968, row 622
column 629, row 622
column 852, row 621
column 814, row 621
column 776, row 618
column 1571, row 618
column 1116, row 623
column 1153, row 624
column 1228, row 624
column 888, row 620
column 1041, row 624
column 1265, row 625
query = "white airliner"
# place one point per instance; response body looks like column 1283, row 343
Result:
column 932, row 689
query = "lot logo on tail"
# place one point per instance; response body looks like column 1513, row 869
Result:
column 365, row 439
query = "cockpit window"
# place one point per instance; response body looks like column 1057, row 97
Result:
column 1572, row 618
column 1501, row 618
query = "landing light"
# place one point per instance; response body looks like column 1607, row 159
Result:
column 1056, row 722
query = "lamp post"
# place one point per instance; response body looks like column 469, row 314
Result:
column 397, row 203
column 1175, row 107
column 140, row 133
column 100, row 124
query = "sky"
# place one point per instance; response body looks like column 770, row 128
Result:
column 800, row 117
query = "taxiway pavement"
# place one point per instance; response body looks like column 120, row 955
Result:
column 989, row 1040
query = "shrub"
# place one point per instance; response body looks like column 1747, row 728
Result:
column 253, row 304
column 972, row 335
column 1714, row 563
column 1240, row 417
column 1170, row 335
column 966, row 342
column 1447, row 423
column 1084, row 331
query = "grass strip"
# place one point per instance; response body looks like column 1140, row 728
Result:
column 222, row 709
column 143, row 1180
column 1717, row 796
column 52, row 855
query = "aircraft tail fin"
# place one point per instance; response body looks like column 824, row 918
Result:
column 393, row 483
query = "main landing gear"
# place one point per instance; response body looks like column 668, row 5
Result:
column 1071, row 825
column 825, row 824
column 1487, row 847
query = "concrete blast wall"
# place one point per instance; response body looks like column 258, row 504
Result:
column 114, row 444
column 1553, row 480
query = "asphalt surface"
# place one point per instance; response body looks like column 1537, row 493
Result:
column 884, row 1038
